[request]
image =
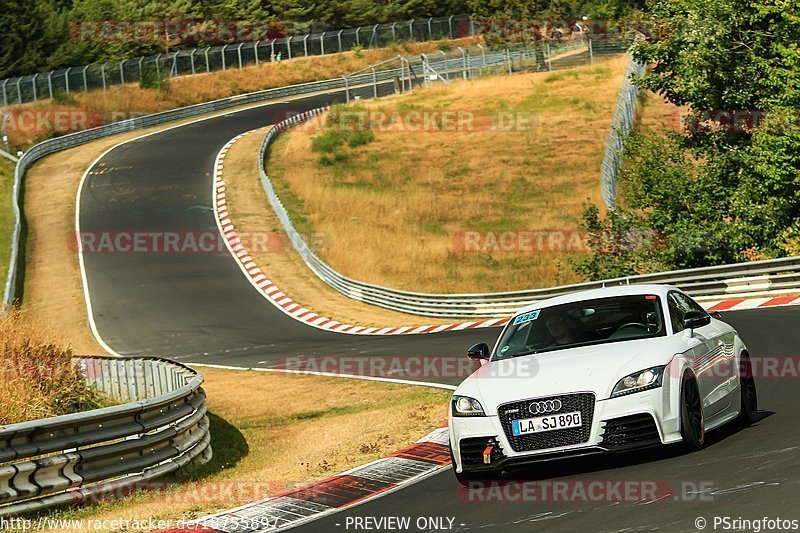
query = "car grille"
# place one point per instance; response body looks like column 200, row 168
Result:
column 583, row 402
column 472, row 448
column 630, row 431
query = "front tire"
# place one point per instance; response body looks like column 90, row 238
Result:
column 692, row 417
column 748, row 414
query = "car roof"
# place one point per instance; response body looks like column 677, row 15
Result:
column 605, row 292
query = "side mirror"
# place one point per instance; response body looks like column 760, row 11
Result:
column 696, row 319
column 478, row 352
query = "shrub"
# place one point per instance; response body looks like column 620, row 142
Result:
column 37, row 376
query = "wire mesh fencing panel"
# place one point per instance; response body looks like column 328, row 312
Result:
column 186, row 62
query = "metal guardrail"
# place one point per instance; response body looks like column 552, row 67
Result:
column 736, row 279
column 81, row 457
column 238, row 55
column 40, row 150
column 621, row 124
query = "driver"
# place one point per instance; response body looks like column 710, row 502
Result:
column 559, row 328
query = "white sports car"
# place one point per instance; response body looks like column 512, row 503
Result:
column 604, row 370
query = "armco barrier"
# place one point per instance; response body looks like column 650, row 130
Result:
column 78, row 458
column 412, row 71
column 737, row 279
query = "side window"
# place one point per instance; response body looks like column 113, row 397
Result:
column 694, row 305
column 676, row 312
column 679, row 305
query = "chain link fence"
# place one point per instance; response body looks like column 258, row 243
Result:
column 208, row 59
column 621, row 125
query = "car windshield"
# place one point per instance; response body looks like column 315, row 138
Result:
column 583, row 323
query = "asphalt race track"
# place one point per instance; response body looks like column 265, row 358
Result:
column 200, row 308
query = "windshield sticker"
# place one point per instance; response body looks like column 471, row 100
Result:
column 527, row 317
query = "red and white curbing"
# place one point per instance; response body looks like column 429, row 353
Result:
column 283, row 302
column 426, row 457
column 740, row 304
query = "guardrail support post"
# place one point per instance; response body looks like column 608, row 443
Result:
column 450, row 26
column 374, row 82
column 208, row 64
column 255, row 51
column 33, row 82
column 50, row 83
column 394, row 36
column 339, row 38
column 346, row 90
column 305, row 45
column 191, row 58
column 5, row 95
column 289, row 46
column 591, row 52
column 358, row 40
column 223, row 56
column 463, row 61
column 549, row 60
column 85, row 80
column 322, row 44
column 239, row 53
column 430, row 30
column 411, row 29
column 121, row 72
column 374, row 39
column 446, row 70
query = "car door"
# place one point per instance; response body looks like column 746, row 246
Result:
column 708, row 354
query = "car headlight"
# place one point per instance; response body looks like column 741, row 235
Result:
column 649, row 378
column 466, row 406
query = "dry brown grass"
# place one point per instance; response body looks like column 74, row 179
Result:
column 121, row 102
column 252, row 214
column 37, row 377
column 268, row 438
column 390, row 210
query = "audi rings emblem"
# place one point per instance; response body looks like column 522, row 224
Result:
column 547, row 406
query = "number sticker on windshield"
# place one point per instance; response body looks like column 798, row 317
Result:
column 527, row 317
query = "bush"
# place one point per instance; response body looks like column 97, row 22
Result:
column 328, row 141
column 358, row 50
column 360, row 138
column 63, row 97
column 154, row 78
column 37, row 376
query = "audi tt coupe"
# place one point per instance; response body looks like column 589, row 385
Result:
column 605, row 370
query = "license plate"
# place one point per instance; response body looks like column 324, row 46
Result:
column 541, row 424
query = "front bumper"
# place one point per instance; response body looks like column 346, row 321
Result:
column 637, row 420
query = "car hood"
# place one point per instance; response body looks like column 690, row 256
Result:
column 585, row 369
